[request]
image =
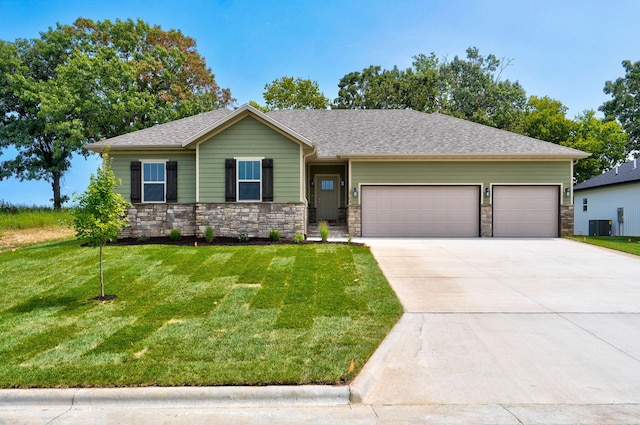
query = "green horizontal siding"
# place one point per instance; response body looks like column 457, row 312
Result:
column 186, row 172
column 250, row 138
column 487, row 173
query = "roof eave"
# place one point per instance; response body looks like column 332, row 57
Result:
column 462, row 156
column 107, row 148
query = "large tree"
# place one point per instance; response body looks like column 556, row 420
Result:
column 545, row 119
column 605, row 140
column 625, row 103
column 469, row 88
column 473, row 89
column 293, row 93
column 93, row 80
column 376, row 88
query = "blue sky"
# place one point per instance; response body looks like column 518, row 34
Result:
column 563, row 49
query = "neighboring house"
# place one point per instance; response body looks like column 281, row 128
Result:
column 383, row 172
column 612, row 197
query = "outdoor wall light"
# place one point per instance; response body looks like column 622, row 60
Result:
column 355, row 192
column 342, row 183
column 567, row 192
column 312, row 183
column 487, row 192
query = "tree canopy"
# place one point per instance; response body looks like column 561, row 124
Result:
column 625, row 103
column 293, row 93
column 468, row 88
column 88, row 81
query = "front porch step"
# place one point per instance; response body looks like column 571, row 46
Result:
column 339, row 230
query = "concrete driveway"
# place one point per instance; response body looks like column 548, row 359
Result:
column 515, row 324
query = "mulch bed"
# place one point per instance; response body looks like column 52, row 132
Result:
column 218, row 241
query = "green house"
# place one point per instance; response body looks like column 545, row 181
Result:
column 380, row 172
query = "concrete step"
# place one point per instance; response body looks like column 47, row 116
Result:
column 335, row 230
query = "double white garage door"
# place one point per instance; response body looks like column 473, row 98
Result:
column 454, row 211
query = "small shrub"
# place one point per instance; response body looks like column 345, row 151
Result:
column 175, row 235
column 208, row 234
column 243, row 237
column 274, row 235
column 298, row 238
column 143, row 238
column 323, row 228
column 349, row 240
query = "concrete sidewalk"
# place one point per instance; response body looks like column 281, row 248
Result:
column 495, row 332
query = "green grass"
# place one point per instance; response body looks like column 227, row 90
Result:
column 627, row 244
column 251, row 315
column 17, row 218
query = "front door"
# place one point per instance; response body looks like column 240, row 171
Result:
column 327, row 196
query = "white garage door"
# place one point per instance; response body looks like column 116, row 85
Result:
column 421, row 211
column 525, row 211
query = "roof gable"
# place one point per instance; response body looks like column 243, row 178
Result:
column 626, row 173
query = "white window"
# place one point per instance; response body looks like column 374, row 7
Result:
column 153, row 182
column 249, row 179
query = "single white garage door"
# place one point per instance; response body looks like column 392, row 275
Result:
column 526, row 211
column 421, row 211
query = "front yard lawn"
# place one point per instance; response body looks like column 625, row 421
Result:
column 629, row 244
column 249, row 315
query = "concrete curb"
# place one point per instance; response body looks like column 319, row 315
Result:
column 368, row 378
column 175, row 397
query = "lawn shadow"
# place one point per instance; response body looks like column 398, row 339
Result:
column 56, row 302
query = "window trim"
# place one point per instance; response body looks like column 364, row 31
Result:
column 238, row 180
column 143, row 182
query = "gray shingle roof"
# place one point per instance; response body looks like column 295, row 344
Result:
column 625, row 173
column 409, row 133
column 354, row 133
column 169, row 135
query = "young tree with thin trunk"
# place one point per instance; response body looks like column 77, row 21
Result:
column 101, row 213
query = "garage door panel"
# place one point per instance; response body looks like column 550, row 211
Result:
column 427, row 211
column 525, row 211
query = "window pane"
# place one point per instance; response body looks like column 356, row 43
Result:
column 154, row 172
column 249, row 191
column 160, row 170
column 249, row 170
column 147, row 172
column 154, row 192
column 327, row 185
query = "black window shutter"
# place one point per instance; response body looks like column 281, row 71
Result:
column 136, row 182
column 267, row 180
column 230, row 180
column 172, row 181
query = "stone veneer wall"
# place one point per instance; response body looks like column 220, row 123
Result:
column 159, row 219
column 254, row 219
column 486, row 221
column 226, row 219
column 354, row 221
column 566, row 220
